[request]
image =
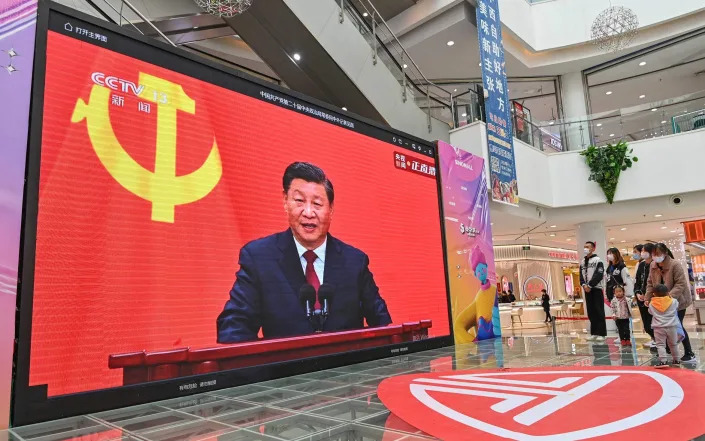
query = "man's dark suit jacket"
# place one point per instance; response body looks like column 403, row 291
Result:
column 266, row 291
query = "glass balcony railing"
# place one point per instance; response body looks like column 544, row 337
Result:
column 651, row 120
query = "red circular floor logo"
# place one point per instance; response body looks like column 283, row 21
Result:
column 551, row 403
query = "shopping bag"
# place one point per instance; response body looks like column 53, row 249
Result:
column 680, row 333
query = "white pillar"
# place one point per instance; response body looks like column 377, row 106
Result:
column 575, row 110
column 592, row 232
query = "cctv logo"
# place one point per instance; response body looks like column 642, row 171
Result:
column 117, row 84
column 554, row 404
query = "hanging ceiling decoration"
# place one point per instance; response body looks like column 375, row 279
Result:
column 224, row 8
column 614, row 28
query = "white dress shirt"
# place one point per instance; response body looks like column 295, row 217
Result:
column 319, row 264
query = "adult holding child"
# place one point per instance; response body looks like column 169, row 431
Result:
column 665, row 270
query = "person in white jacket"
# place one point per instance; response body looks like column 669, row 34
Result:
column 592, row 274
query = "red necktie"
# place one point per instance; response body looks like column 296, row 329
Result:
column 311, row 276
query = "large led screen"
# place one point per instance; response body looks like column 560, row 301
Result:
column 182, row 208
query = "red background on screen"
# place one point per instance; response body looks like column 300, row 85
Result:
column 108, row 279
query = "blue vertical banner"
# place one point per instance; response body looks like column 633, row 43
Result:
column 500, row 143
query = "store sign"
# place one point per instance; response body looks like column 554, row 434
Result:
column 563, row 255
column 500, row 141
column 694, row 231
column 534, row 286
column 554, row 403
column 551, row 141
column 534, row 252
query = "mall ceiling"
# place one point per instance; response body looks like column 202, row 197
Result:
column 628, row 223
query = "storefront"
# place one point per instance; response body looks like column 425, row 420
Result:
column 529, row 269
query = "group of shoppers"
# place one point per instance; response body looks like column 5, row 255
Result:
column 507, row 297
column 613, row 285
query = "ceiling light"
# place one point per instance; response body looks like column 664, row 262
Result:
column 681, row 234
column 664, row 227
column 345, row 108
column 611, row 238
column 641, row 97
column 611, row 135
column 609, row 92
column 568, row 239
column 552, row 235
column 658, row 215
column 455, row 90
column 599, row 124
column 364, row 14
column 550, row 123
column 297, row 57
column 491, row 223
column 623, row 241
column 450, row 43
column 643, row 63
column 623, row 229
column 464, row 114
column 405, row 66
column 674, row 231
column 664, row 121
column 654, row 109
column 553, row 226
column 479, row 64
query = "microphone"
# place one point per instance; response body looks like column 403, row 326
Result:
column 325, row 295
column 307, row 296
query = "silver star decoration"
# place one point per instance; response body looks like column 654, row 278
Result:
column 12, row 53
column 10, row 68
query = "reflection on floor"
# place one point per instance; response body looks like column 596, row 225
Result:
column 338, row 404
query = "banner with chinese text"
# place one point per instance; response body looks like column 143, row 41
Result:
column 500, row 144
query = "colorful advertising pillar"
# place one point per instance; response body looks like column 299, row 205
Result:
column 471, row 268
column 17, row 27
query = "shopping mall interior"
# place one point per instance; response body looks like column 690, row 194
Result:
column 516, row 249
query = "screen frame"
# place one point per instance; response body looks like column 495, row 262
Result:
column 30, row 403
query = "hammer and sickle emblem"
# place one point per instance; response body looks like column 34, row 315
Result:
column 161, row 187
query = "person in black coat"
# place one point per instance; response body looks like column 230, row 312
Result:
column 546, row 303
column 642, row 276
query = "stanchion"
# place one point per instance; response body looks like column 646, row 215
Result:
column 555, row 336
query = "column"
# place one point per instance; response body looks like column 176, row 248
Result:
column 595, row 232
column 575, row 111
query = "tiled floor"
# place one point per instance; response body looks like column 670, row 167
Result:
column 337, row 404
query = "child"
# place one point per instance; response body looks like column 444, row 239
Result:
column 664, row 310
column 620, row 309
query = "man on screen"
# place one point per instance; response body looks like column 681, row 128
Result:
column 273, row 269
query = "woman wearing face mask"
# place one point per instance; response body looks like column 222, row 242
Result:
column 642, row 276
column 665, row 270
column 618, row 274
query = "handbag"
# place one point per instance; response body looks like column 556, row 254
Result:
column 680, row 333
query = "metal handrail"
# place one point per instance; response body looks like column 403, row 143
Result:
column 146, row 20
column 406, row 53
column 419, row 81
column 137, row 12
